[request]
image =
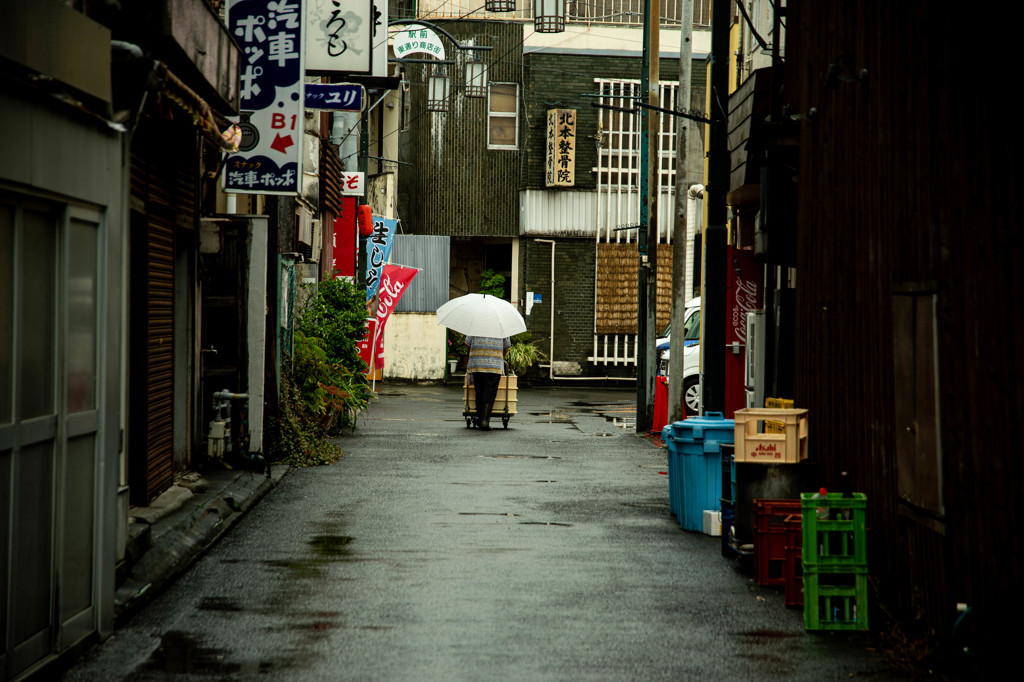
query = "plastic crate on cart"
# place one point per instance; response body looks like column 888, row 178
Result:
column 756, row 446
column 774, row 524
column 838, row 539
column 835, row 599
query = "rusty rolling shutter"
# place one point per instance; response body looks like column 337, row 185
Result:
column 160, row 357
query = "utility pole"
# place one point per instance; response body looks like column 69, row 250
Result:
column 647, row 276
column 679, row 245
column 712, row 349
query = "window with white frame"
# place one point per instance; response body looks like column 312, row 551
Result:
column 503, row 116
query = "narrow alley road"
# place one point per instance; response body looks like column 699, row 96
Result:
column 434, row 552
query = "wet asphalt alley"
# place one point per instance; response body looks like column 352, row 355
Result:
column 435, row 552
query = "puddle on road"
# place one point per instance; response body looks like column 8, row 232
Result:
column 218, row 604
column 330, row 545
column 180, row 653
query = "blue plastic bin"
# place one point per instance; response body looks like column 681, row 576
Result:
column 695, row 466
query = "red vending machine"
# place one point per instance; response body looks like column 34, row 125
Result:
column 744, row 284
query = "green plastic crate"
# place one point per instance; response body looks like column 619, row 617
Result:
column 835, row 600
column 839, row 540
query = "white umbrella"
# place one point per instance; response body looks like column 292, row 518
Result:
column 481, row 315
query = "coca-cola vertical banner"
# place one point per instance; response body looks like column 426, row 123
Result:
column 394, row 281
column 744, row 292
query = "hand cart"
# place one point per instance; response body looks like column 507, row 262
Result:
column 504, row 402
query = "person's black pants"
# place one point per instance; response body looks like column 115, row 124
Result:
column 486, row 385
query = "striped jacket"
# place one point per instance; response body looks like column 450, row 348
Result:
column 486, row 354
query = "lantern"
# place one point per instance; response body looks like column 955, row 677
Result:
column 476, row 78
column 437, row 92
column 500, row 5
column 548, row 16
column 364, row 219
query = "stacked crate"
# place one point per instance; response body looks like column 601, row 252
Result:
column 774, row 524
column 835, row 561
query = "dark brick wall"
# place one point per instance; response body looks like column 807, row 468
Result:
column 574, row 295
column 560, row 81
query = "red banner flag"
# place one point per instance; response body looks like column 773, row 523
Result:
column 394, row 281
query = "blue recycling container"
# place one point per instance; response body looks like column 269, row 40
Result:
column 695, row 466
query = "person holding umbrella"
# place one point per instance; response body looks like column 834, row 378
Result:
column 486, row 364
column 487, row 322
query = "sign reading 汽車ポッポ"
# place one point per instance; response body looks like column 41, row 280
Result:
column 269, row 159
column 348, row 36
column 334, row 96
column 560, row 148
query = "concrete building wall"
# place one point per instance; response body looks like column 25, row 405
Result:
column 414, row 347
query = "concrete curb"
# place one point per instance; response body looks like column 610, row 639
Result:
column 198, row 524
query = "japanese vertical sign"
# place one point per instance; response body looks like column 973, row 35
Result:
column 269, row 160
column 347, row 36
column 560, row 148
column 379, row 250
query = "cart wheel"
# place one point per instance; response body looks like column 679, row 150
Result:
column 504, row 422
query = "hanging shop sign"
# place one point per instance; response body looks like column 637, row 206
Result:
column 353, row 183
column 269, row 157
column 347, row 36
column 416, row 39
column 334, row 96
column 560, row 148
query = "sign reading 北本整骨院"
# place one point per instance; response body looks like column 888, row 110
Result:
column 348, row 36
column 416, row 39
column 560, row 148
column 269, row 157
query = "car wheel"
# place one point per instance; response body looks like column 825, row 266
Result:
column 691, row 395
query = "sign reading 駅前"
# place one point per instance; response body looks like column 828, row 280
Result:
column 269, row 157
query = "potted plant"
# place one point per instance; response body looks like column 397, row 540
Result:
column 523, row 354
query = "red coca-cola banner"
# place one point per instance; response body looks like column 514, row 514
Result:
column 394, row 281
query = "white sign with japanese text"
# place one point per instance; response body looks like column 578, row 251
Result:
column 353, row 183
column 347, row 36
column 416, row 39
column 269, row 160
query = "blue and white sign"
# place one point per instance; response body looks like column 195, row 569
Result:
column 269, row 160
column 334, row 96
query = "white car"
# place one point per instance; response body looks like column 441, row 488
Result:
column 691, row 355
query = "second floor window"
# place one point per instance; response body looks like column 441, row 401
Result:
column 503, row 116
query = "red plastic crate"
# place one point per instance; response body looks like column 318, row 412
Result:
column 777, row 525
column 794, row 576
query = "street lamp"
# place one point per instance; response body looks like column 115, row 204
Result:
column 437, row 92
column 548, row 16
column 476, row 78
column 500, row 5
